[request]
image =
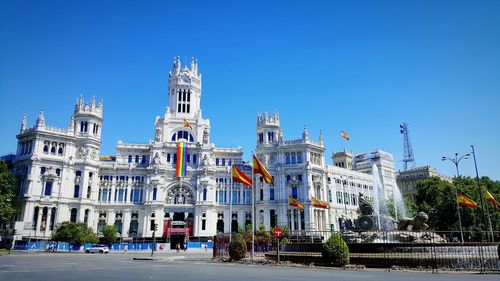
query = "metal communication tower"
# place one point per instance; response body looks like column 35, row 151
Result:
column 409, row 158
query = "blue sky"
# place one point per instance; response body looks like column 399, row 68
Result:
column 359, row 66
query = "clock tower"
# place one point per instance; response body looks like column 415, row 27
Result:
column 184, row 90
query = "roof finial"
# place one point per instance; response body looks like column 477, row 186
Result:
column 23, row 123
column 40, row 121
column 305, row 134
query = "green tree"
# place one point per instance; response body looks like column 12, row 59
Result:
column 335, row 251
column 7, row 196
column 437, row 198
column 109, row 234
column 74, row 233
column 237, row 247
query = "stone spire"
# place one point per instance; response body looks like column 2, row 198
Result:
column 305, row 134
column 71, row 125
column 321, row 137
column 40, row 121
column 23, row 124
column 92, row 103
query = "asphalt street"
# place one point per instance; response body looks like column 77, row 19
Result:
column 186, row 266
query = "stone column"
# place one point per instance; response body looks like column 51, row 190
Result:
column 292, row 219
column 38, row 221
column 47, row 223
column 126, row 223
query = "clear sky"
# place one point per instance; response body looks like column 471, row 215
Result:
column 358, row 66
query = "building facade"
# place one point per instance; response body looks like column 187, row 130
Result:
column 407, row 180
column 62, row 175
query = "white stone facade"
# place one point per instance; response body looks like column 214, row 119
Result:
column 63, row 177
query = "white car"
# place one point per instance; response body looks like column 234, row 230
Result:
column 97, row 248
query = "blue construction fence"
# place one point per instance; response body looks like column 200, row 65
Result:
column 66, row 247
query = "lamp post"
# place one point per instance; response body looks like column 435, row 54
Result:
column 456, row 161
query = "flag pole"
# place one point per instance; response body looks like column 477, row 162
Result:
column 479, row 188
column 253, row 212
column 230, row 208
column 459, row 218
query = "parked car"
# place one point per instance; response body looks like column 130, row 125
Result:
column 97, row 248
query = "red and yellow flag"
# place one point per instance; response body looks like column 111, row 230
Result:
column 258, row 168
column 294, row 203
column 187, row 125
column 491, row 199
column 465, row 201
column 344, row 135
column 319, row 204
column 239, row 176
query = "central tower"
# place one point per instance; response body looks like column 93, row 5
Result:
column 184, row 86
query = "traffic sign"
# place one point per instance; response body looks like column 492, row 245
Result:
column 278, row 232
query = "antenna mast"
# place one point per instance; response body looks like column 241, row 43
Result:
column 409, row 158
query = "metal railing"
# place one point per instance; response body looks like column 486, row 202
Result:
column 434, row 250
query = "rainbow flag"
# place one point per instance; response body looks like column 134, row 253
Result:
column 181, row 166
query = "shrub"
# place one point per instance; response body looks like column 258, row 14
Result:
column 237, row 247
column 335, row 251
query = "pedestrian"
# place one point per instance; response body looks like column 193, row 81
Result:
column 185, row 246
column 178, row 247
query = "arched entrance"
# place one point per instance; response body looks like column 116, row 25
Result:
column 178, row 217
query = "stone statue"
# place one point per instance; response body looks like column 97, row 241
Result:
column 158, row 134
column 416, row 223
column 365, row 206
column 205, row 137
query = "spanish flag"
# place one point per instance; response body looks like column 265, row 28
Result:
column 465, row 201
column 258, row 168
column 491, row 199
column 187, row 125
column 239, row 176
column 181, row 165
column 319, row 204
column 294, row 203
column 344, row 135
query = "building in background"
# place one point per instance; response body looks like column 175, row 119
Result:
column 63, row 177
column 407, row 180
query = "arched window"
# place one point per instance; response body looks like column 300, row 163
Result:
column 53, row 150
column 60, row 151
column 205, row 194
column 137, row 159
column 52, row 219
column 182, row 135
column 271, row 194
column 130, row 158
column 168, row 157
column 45, row 148
column 86, row 216
column 155, row 190
column 216, row 161
column 194, row 159
column 73, row 215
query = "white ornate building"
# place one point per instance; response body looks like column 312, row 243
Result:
column 63, row 177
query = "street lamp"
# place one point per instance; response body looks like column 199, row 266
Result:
column 456, row 160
